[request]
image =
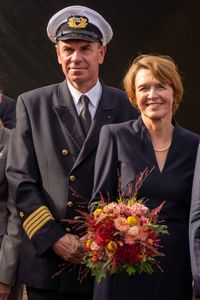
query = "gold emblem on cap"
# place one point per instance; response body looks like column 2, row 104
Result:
column 77, row 22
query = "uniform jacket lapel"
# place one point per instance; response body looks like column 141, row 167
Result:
column 68, row 118
column 105, row 114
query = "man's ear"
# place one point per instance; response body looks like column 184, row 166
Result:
column 102, row 54
column 58, row 52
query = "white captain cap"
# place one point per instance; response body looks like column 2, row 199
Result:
column 79, row 22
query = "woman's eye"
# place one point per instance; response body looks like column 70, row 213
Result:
column 161, row 86
column 143, row 89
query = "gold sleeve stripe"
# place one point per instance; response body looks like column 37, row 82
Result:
column 34, row 230
column 36, row 222
column 35, row 219
column 39, row 216
column 35, row 213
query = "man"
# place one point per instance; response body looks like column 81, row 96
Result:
column 194, row 227
column 7, row 111
column 10, row 230
column 10, row 226
column 51, row 157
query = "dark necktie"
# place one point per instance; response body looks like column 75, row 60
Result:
column 85, row 115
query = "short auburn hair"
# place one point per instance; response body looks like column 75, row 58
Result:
column 163, row 68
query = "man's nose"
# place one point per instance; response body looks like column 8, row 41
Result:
column 76, row 56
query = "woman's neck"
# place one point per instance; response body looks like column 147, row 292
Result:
column 160, row 132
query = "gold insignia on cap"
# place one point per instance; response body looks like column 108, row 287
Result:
column 77, row 22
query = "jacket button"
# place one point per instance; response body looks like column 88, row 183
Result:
column 68, row 229
column 72, row 178
column 65, row 152
column 70, row 203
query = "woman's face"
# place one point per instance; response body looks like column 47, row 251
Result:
column 154, row 98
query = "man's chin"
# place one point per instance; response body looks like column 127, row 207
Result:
column 76, row 81
column 76, row 72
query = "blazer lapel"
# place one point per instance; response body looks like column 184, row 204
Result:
column 68, row 118
column 105, row 114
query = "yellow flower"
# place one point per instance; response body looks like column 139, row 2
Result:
column 88, row 244
column 97, row 211
column 112, row 246
column 132, row 220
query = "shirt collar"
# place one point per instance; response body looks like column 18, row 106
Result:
column 93, row 94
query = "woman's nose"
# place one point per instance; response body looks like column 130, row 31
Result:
column 152, row 93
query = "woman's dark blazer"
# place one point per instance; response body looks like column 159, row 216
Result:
column 126, row 149
column 122, row 148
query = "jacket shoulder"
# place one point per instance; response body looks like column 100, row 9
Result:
column 116, row 92
column 189, row 135
column 119, row 99
column 122, row 128
column 44, row 90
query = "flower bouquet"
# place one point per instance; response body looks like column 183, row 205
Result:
column 122, row 236
column 119, row 236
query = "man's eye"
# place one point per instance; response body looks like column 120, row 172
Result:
column 67, row 50
column 86, row 48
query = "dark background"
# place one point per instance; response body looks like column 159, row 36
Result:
column 28, row 59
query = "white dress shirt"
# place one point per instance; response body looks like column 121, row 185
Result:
column 94, row 95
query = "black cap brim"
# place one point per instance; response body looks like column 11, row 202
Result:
column 77, row 36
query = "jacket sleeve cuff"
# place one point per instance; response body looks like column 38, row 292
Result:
column 47, row 236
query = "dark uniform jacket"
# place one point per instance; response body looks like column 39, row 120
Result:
column 50, row 169
column 10, row 225
column 7, row 111
column 195, row 226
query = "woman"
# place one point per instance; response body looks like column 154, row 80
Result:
column 154, row 140
column 10, row 230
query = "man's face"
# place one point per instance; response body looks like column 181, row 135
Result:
column 80, row 62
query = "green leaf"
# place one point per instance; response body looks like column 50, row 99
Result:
column 130, row 270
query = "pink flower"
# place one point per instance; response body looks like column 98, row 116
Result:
column 131, row 235
column 139, row 208
column 108, row 209
column 143, row 233
column 94, row 246
column 121, row 224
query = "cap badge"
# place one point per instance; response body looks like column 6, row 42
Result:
column 77, row 22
